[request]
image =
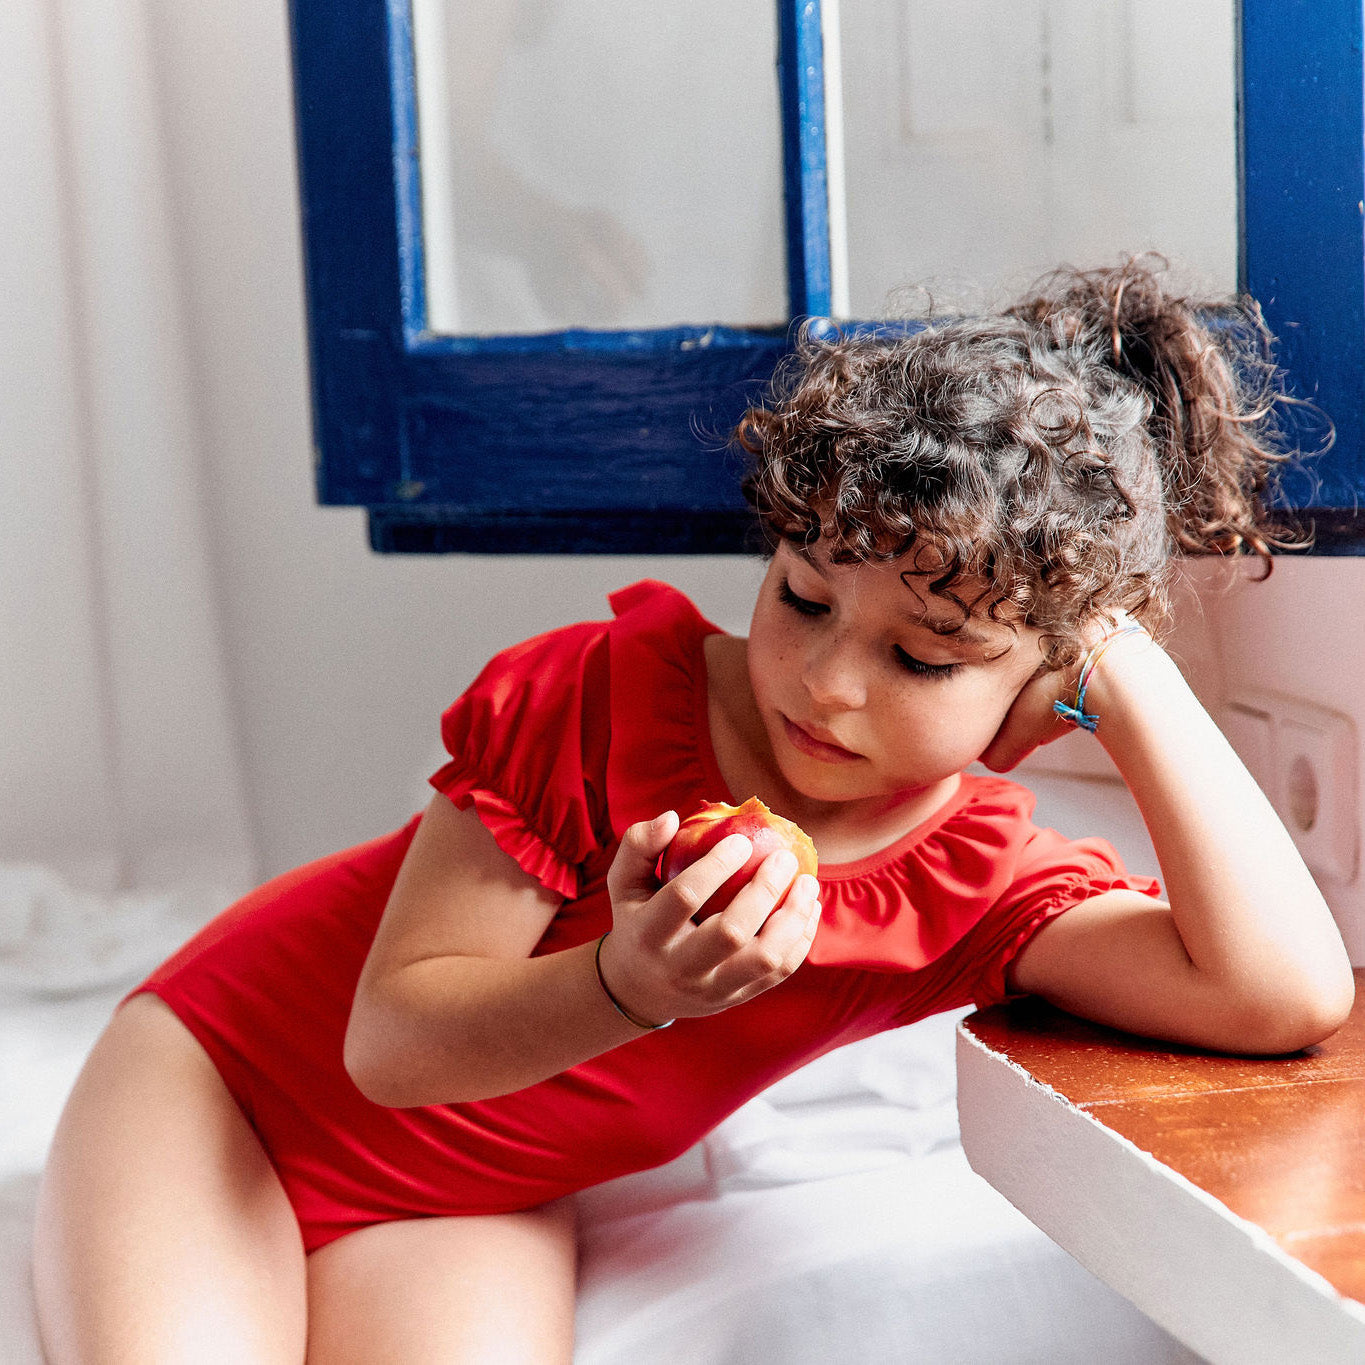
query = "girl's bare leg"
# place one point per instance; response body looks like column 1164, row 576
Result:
column 163, row 1233
column 494, row 1289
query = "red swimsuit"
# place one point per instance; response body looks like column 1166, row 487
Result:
column 560, row 744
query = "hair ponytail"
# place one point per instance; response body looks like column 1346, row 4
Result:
column 1046, row 464
column 1213, row 389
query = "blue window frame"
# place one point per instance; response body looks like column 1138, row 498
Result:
column 593, row 442
column 572, row 441
column 1303, row 230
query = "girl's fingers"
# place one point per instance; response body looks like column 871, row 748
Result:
column 778, row 949
column 1030, row 721
column 730, row 935
column 682, row 897
column 722, row 935
column 631, row 877
column 761, row 936
column 754, row 901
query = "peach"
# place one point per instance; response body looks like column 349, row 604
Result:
column 712, row 821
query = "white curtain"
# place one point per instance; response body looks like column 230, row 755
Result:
column 122, row 809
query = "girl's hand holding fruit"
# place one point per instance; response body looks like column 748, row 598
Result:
column 748, row 877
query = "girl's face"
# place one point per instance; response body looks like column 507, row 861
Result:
column 860, row 699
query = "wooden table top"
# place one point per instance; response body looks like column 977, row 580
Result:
column 1279, row 1141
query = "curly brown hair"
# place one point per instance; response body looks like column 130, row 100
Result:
column 1063, row 452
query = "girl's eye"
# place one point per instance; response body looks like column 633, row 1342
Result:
column 802, row 604
column 919, row 667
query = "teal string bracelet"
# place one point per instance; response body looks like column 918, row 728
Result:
column 1076, row 714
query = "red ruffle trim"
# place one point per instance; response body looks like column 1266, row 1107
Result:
column 977, row 867
column 660, row 757
column 510, row 828
column 991, row 987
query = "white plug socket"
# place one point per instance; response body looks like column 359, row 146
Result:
column 1303, row 756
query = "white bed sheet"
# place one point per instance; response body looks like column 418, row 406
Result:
column 832, row 1219
column 918, row 1261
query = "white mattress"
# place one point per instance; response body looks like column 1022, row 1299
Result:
column 832, row 1219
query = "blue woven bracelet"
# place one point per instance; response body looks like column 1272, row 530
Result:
column 1076, row 714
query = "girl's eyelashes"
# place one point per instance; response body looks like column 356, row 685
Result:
column 802, row 604
column 806, row 607
column 922, row 669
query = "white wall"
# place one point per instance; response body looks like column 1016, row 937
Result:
column 340, row 661
column 1303, row 633
column 1295, row 634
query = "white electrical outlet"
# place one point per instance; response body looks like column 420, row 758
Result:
column 1303, row 756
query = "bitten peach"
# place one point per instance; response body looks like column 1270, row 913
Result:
column 712, row 821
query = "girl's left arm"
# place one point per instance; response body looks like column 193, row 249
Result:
column 1246, row 957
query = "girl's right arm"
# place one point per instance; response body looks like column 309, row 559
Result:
column 451, row 1007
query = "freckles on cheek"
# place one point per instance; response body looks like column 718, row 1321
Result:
column 772, row 657
column 971, row 720
column 768, row 665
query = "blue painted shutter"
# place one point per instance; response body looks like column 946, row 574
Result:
column 615, row 442
column 574, row 441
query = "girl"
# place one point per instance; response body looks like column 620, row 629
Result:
column 345, row 1120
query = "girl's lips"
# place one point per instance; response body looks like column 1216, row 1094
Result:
column 817, row 748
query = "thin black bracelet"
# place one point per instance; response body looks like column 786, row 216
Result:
column 616, row 1004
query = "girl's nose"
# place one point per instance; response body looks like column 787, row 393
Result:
column 833, row 680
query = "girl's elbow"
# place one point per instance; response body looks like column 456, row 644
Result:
column 366, row 1068
column 372, row 1060
column 1282, row 1026
column 393, row 1065
column 1331, row 1010
column 382, row 1081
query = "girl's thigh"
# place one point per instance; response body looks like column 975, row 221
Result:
column 494, row 1289
column 163, row 1233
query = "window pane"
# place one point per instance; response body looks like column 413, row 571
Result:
column 599, row 163
column 989, row 140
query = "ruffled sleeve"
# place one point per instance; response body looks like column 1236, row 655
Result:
column 528, row 743
column 565, row 740
column 661, row 756
column 951, row 905
column 1054, row 875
